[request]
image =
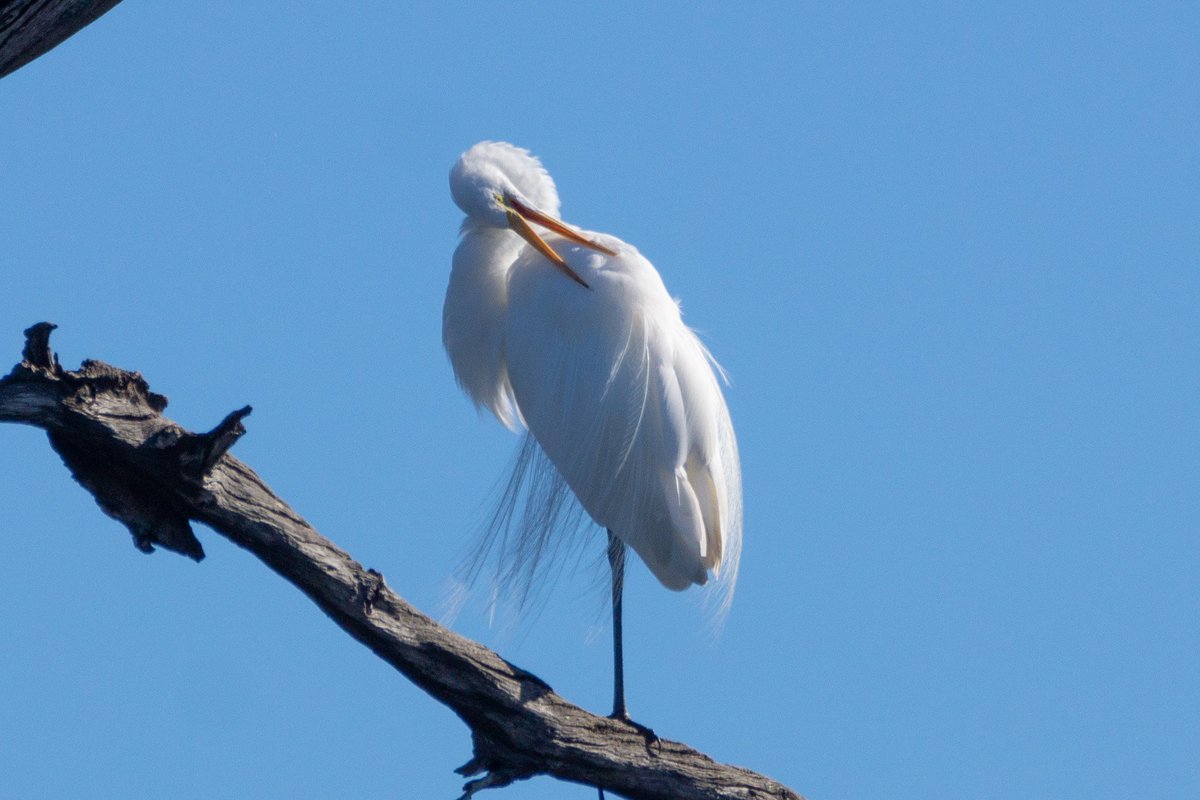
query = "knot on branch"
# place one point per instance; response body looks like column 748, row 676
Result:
column 369, row 586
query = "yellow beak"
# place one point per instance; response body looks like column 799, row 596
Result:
column 519, row 217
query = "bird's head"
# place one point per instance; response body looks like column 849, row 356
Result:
column 503, row 186
column 489, row 174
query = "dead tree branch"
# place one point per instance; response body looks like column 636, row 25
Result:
column 29, row 28
column 157, row 478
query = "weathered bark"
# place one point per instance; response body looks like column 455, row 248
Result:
column 156, row 478
column 29, row 28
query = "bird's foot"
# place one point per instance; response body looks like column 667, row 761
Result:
column 647, row 732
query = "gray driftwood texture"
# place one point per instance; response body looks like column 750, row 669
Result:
column 157, row 478
column 29, row 28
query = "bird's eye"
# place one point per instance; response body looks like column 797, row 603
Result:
column 499, row 198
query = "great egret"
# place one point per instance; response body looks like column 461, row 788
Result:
column 573, row 335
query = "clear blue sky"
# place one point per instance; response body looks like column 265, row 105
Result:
column 949, row 257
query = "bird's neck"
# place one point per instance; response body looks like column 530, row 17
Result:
column 486, row 248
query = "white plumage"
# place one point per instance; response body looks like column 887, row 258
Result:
column 574, row 335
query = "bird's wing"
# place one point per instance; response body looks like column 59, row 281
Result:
column 473, row 320
column 620, row 395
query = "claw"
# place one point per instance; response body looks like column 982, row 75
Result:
column 646, row 731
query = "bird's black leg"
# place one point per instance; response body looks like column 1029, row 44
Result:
column 616, row 561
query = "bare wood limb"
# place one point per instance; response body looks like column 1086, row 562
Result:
column 156, row 478
column 29, row 28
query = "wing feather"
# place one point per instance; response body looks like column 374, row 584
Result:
column 620, row 395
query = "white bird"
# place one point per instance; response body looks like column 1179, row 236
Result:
column 573, row 335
